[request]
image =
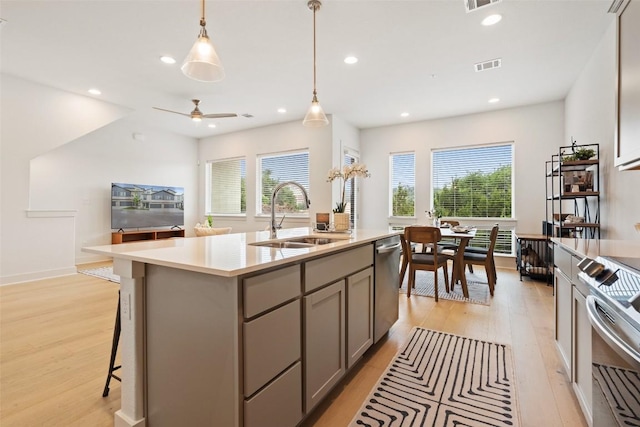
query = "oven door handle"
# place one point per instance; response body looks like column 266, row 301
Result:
column 608, row 335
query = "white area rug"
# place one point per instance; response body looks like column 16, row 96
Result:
column 440, row 379
column 476, row 283
column 103, row 273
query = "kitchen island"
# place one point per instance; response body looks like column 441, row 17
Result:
column 240, row 330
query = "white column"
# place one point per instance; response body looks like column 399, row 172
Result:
column 132, row 313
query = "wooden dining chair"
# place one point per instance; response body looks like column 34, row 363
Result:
column 485, row 259
column 480, row 250
column 430, row 261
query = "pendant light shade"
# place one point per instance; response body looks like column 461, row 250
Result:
column 315, row 117
column 202, row 62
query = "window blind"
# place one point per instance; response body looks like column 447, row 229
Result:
column 473, row 182
column 403, row 179
column 226, row 187
column 274, row 169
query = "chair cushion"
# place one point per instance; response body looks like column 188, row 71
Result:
column 476, row 249
column 420, row 258
column 471, row 256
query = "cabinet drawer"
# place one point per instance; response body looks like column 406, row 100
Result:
column 563, row 260
column 279, row 404
column 270, row 289
column 334, row 267
column 271, row 343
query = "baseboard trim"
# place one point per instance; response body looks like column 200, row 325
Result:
column 37, row 275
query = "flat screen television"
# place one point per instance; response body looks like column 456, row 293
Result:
column 145, row 206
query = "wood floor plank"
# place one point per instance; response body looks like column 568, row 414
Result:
column 56, row 337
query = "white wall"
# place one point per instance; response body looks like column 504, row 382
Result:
column 78, row 176
column 536, row 130
column 590, row 119
column 323, row 145
column 37, row 119
column 60, row 152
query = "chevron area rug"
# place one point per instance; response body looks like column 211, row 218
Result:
column 439, row 379
column 476, row 283
column 103, row 273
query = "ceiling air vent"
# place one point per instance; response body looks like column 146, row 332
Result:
column 247, row 115
column 488, row 65
column 472, row 5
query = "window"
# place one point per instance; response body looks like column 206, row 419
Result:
column 350, row 191
column 476, row 183
column 274, row 169
column 403, row 177
column 226, row 187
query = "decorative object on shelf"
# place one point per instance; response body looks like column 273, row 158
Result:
column 434, row 216
column 202, row 62
column 315, row 117
column 578, row 181
column 322, row 221
column 341, row 221
column 206, row 230
column 578, row 153
column 345, row 174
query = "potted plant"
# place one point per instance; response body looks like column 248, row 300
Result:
column 340, row 218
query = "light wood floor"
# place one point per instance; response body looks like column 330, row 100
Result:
column 56, row 340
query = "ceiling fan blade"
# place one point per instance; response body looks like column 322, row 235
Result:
column 219, row 115
column 171, row 111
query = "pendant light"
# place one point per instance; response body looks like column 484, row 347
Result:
column 202, row 62
column 315, row 116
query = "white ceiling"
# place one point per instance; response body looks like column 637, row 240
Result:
column 415, row 56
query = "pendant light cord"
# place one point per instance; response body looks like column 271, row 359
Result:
column 203, row 22
column 315, row 7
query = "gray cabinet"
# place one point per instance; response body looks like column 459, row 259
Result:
column 582, row 369
column 573, row 330
column 359, row 315
column 562, row 308
column 324, row 346
column 272, row 336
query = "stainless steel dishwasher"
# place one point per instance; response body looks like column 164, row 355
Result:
column 387, row 263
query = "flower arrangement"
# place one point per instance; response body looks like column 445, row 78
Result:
column 435, row 213
column 345, row 174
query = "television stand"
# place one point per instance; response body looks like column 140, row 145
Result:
column 118, row 237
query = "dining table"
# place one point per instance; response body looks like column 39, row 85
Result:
column 462, row 235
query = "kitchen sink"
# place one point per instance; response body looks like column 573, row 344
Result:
column 283, row 244
column 297, row 242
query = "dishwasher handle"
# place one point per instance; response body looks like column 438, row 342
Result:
column 387, row 249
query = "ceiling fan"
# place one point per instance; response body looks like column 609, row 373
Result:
column 196, row 115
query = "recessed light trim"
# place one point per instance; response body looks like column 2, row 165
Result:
column 282, row 110
column 494, row 100
column 94, row 91
column 350, row 60
column 168, row 60
column 212, row 125
column 491, row 20
column 405, row 114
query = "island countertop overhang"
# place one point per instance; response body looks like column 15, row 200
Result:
column 232, row 255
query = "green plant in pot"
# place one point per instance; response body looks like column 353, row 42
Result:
column 580, row 154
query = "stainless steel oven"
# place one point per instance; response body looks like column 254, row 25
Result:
column 613, row 308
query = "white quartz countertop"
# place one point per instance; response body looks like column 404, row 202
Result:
column 231, row 255
column 594, row 247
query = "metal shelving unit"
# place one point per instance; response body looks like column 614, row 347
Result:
column 573, row 190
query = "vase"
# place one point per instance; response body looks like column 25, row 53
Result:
column 341, row 221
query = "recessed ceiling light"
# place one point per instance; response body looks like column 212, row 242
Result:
column 95, row 92
column 494, row 100
column 282, row 110
column 167, row 60
column 404, row 115
column 491, row 20
column 212, row 125
column 350, row 60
